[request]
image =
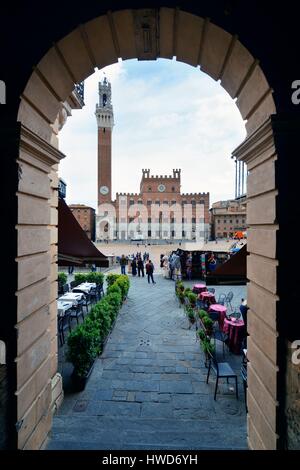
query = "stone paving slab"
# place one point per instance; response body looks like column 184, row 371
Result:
column 148, row 389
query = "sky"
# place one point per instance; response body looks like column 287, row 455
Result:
column 167, row 115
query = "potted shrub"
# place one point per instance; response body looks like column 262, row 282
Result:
column 95, row 277
column 192, row 299
column 187, row 290
column 111, row 278
column 179, row 289
column 202, row 314
column 206, row 345
column 79, row 278
column 177, row 284
column 62, row 281
column 190, row 314
column 123, row 283
column 208, row 325
column 181, row 296
column 83, row 348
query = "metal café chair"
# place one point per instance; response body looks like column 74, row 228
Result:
column 75, row 312
column 222, row 370
column 228, row 299
column 221, row 299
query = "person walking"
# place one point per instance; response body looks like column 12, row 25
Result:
column 123, row 262
column 149, row 271
column 140, row 266
column 133, row 266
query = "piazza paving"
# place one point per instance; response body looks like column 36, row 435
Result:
column 148, row 388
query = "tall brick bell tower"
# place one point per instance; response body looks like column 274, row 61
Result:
column 105, row 120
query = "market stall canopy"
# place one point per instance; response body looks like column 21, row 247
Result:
column 74, row 246
column 233, row 270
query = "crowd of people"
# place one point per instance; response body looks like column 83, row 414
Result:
column 175, row 265
column 139, row 264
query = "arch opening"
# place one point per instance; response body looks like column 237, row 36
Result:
column 48, row 100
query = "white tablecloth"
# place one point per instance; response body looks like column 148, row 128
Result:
column 63, row 306
column 72, row 296
column 86, row 286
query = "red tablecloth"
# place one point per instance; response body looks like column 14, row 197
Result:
column 235, row 330
column 198, row 288
column 208, row 297
column 221, row 310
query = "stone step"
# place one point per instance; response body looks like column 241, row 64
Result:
column 112, row 433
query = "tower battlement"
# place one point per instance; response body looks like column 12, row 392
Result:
column 146, row 175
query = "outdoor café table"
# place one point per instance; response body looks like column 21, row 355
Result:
column 63, row 306
column 86, row 286
column 198, row 288
column 235, row 329
column 72, row 297
column 208, row 297
column 221, row 310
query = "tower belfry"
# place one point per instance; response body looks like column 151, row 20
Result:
column 105, row 121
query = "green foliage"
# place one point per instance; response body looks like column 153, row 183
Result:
column 84, row 346
column 115, row 300
column 202, row 314
column 111, row 278
column 114, row 288
column 179, row 288
column 207, row 322
column 192, row 298
column 187, row 290
column 207, row 346
column 202, row 335
column 190, row 313
column 98, row 278
column 181, row 296
column 62, row 278
column 101, row 312
column 80, row 277
column 123, row 283
column 84, row 341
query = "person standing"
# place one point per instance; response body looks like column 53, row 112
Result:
column 140, row 266
column 123, row 262
column 149, row 271
column 133, row 266
column 171, row 265
column 212, row 263
column 189, row 264
column 166, row 266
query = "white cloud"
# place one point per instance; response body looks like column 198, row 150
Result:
column 167, row 115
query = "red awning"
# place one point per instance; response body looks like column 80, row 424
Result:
column 74, row 246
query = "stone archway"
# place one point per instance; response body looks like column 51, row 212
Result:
column 145, row 35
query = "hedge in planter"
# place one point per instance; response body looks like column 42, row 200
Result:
column 119, row 280
column 84, row 342
column 62, row 278
column 98, row 278
column 111, row 278
column 84, row 346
